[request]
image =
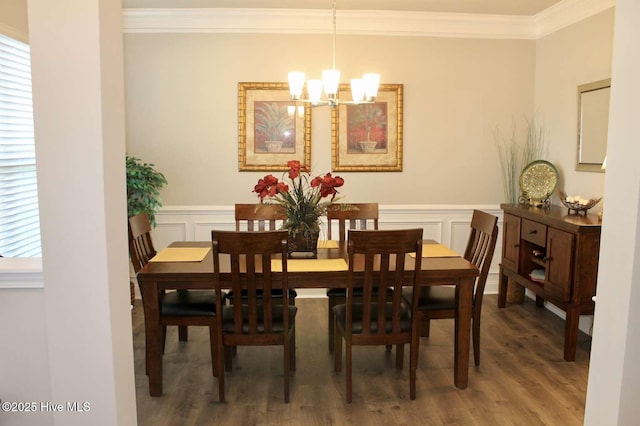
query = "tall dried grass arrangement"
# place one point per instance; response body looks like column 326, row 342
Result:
column 515, row 152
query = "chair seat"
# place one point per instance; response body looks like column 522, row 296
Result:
column 433, row 298
column 277, row 324
column 275, row 293
column 340, row 312
column 357, row 292
column 188, row 303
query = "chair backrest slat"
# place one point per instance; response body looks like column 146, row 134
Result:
column 141, row 248
column 251, row 254
column 259, row 217
column 481, row 246
column 359, row 216
column 379, row 258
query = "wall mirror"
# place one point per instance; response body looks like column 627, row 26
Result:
column 593, row 125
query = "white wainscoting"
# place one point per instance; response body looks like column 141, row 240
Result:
column 446, row 224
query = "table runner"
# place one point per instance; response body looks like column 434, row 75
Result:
column 181, row 254
column 436, row 250
column 305, row 265
column 327, row 244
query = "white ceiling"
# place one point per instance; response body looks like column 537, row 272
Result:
column 493, row 7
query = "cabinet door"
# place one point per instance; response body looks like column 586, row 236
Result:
column 559, row 270
column 510, row 241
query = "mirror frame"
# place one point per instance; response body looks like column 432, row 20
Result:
column 582, row 89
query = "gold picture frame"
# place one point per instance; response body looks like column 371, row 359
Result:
column 368, row 137
column 272, row 129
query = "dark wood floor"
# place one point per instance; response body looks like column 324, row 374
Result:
column 522, row 379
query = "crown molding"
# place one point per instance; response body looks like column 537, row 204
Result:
column 361, row 22
column 14, row 33
column 566, row 13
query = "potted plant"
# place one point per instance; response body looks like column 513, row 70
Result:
column 304, row 199
column 143, row 193
column 143, row 188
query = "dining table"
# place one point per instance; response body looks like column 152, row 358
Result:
column 327, row 270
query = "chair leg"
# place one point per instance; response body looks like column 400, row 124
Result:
column 476, row 341
column 337, row 349
column 330, row 330
column 413, row 362
column 333, row 301
column 399, row 356
column 425, row 326
column 292, row 302
column 220, row 356
column 228, row 354
column 183, row 333
column 349, row 370
column 287, row 366
column 292, row 351
column 163, row 337
column 212, row 343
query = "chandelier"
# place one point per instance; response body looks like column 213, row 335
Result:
column 363, row 90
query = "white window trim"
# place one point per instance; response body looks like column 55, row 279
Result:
column 21, row 272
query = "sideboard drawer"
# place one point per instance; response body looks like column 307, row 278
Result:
column 534, row 232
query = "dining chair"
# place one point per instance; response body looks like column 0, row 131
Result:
column 438, row 302
column 181, row 307
column 346, row 216
column 261, row 217
column 377, row 262
column 259, row 319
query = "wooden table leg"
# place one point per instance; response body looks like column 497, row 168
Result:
column 464, row 297
column 153, row 336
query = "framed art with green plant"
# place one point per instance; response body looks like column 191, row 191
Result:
column 143, row 188
column 368, row 137
column 272, row 129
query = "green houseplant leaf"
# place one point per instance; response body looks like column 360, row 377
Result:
column 143, row 188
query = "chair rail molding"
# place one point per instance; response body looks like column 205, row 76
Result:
column 448, row 224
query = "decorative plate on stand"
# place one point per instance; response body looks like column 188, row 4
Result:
column 538, row 181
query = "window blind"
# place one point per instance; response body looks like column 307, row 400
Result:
column 19, row 217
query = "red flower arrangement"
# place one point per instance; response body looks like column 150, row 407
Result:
column 302, row 198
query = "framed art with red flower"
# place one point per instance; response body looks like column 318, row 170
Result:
column 368, row 137
column 272, row 129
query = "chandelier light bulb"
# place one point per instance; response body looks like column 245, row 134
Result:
column 371, row 81
column 314, row 90
column 296, row 83
column 357, row 89
column 331, row 80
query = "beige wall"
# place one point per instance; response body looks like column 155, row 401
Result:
column 181, row 94
column 13, row 19
column 578, row 54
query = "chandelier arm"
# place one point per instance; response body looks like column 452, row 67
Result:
column 333, row 102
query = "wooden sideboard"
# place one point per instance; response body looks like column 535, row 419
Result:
column 563, row 250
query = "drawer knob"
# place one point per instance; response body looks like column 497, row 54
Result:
column 533, row 231
column 547, row 259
